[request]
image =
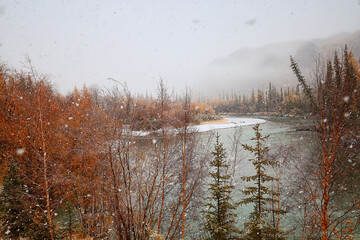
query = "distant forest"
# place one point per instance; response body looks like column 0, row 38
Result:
column 272, row 101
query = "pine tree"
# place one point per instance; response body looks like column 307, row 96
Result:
column 219, row 216
column 260, row 195
column 14, row 215
column 260, row 103
column 252, row 102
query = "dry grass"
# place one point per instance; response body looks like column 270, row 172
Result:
column 221, row 121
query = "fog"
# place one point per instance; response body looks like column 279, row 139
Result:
column 250, row 69
column 209, row 46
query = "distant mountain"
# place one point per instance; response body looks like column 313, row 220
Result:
column 253, row 68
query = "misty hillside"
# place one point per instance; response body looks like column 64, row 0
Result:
column 251, row 68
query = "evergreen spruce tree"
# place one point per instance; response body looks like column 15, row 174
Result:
column 260, row 195
column 219, row 216
column 14, row 215
column 252, row 102
column 260, row 102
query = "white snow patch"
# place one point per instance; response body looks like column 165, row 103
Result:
column 232, row 122
column 141, row 133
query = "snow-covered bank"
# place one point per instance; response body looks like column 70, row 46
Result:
column 231, row 122
column 228, row 123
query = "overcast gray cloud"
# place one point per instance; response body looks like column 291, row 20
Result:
column 88, row 41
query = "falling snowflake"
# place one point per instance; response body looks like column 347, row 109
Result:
column 346, row 98
column 20, row 151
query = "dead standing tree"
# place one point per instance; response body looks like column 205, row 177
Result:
column 132, row 200
column 235, row 140
column 183, row 133
column 163, row 102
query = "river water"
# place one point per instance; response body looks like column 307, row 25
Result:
column 282, row 131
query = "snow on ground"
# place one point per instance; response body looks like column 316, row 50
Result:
column 140, row 133
column 229, row 123
column 232, row 122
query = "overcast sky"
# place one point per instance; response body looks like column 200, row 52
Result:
column 86, row 41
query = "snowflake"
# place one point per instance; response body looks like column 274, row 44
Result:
column 20, row 151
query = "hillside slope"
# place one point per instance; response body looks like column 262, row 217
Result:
column 251, row 68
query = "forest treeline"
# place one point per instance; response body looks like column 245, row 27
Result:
column 272, row 101
column 75, row 166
